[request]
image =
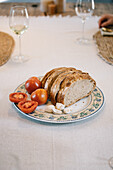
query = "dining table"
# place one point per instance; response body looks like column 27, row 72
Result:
column 47, row 141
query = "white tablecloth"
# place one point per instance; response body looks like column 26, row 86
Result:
column 31, row 145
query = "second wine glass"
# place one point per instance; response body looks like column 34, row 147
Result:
column 84, row 9
column 18, row 22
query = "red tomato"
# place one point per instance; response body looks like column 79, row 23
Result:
column 17, row 97
column 27, row 106
column 39, row 95
column 32, row 84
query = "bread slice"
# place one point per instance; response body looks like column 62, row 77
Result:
column 46, row 76
column 55, row 87
column 44, row 79
column 75, row 87
column 52, row 77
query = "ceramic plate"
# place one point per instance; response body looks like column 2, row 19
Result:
column 83, row 109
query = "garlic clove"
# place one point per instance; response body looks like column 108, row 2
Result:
column 60, row 106
column 67, row 110
column 56, row 111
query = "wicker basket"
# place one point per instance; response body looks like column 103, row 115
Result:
column 6, row 47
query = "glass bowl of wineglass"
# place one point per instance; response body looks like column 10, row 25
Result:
column 84, row 9
column 111, row 162
column 18, row 23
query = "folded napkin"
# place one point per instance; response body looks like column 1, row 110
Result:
column 107, row 31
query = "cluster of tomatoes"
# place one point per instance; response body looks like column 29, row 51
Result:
column 38, row 95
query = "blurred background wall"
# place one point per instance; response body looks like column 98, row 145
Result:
column 101, row 1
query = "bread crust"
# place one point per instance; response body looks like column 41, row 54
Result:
column 46, row 76
column 58, row 81
column 50, row 79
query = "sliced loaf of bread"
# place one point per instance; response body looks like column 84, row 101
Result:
column 68, row 85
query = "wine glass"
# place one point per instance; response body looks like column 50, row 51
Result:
column 111, row 162
column 18, row 23
column 84, row 9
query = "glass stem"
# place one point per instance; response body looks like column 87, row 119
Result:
column 83, row 23
column 19, row 46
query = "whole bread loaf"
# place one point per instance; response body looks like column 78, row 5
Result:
column 67, row 85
